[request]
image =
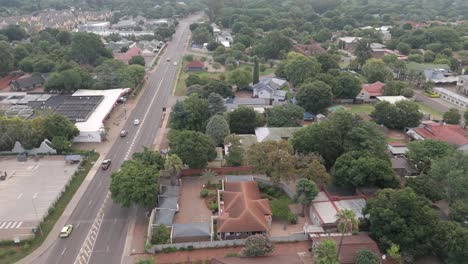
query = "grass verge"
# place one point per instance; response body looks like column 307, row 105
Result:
column 10, row 253
column 435, row 114
column 362, row 108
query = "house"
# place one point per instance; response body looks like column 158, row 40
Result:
column 452, row 97
column 369, row 92
column 28, row 82
column 391, row 99
column 191, row 232
column 225, row 38
column 275, row 133
column 124, row 24
column 403, row 167
column 242, row 211
column 439, row 76
column 452, row 134
column 272, row 89
column 195, row 66
column 462, row 84
column 348, row 43
column 397, row 148
column 127, row 56
column 350, row 246
column 379, row 50
column 257, row 104
column 309, row 49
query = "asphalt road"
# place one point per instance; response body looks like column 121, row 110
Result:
column 101, row 226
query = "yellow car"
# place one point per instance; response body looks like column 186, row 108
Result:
column 66, row 231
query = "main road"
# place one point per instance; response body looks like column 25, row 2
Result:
column 100, row 225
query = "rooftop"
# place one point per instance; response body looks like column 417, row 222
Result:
column 202, row 229
column 452, row 134
column 391, row 99
column 163, row 217
column 195, row 64
column 449, row 93
column 274, row 133
column 374, row 89
column 326, row 207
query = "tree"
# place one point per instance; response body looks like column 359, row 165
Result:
column 216, row 104
column 402, row 217
column 239, row 77
column 194, row 79
column 347, row 86
column 314, row 97
column 326, row 253
column 275, row 159
column 346, row 222
column 425, row 186
column 173, row 164
column 135, row 183
column 423, row 153
column 272, row 46
column 287, row 115
column 59, row 126
column 310, row 167
column 190, row 114
column 149, row 157
column 256, row 71
column 242, row 120
column 459, row 212
column 465, row 115
column 139, row 60
column 365, row 256
column 404, row 48
column 201, row 35
column 160, row 235
column 306, row 191
column 299, row 68
column 376, row 70
column 363, row 52
column 393, row 253
column 452, row 116
column 14, row 32
column 235, row 152
column 217, row 128
column 360, row 169
column 256, row 246
column 450, row 172
column 217, row 86
column 194, row 148
column 399, row 115
column 87, row 48
column 61, row 144
column 64, row 37
column 392, row 88
column 6, row 58
column 327, row 62
column 212, row 45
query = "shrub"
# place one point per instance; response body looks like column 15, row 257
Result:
column 214, row 207
column 190, row 248
column 209, row 174
column 216, row 66
column 231, row 255
column 188, row 58
column 257, row 245
column 169, row 249
column 204, row 193
column 160, row 235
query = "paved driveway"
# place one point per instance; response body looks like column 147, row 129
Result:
column 192, row 207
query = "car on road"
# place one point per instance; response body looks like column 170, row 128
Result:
column 168, row 59
column 175, row 63
column 106, row 164
column 123, row 133
column 136, row 122
column 66, row 231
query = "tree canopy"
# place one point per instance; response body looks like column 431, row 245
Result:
column 400, row 115
column 190, row 114
column 286, row 115
column 314, row 97
column 194, row 148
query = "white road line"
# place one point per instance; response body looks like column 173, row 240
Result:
column 13, row 225
column 90, row 201
column 63, row 252
column 19, row 224
column 19, row 196
column 3, row 224
column 8, row 225
column 34, row 196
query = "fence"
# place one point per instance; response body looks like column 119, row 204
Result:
column 222, row 170
column 224, row 243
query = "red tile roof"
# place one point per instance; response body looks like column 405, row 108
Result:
column 309, row 48
column 195, row 64
column 374, row 89
column 125, row 57
column 351, row 246
column 452, row 134
column 244, row 210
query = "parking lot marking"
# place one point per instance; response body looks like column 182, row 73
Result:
column 19, row 224
column 63, row 252
column 8, row 225
column 13, row 225
column 3, row 224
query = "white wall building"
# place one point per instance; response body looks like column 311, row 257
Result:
column 452, row 97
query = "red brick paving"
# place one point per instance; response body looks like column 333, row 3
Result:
column 205, row 254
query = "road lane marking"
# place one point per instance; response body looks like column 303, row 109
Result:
column 34, row 196
column 8, row 225
column 90, row 201
column 19, row 224
column 13, row 225
column 19, row 196
column 3, row 224
column 63, row 252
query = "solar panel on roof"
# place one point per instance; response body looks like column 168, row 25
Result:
column 79, row 108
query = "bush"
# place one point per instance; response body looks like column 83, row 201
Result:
column 169, row 250
column 190, row 248
column 204, row 193
column 25, row 247
column 214, row 207
column 216, row 66
column 188, row 58
column 231, row 255
column 257, row 245
column 160, row 235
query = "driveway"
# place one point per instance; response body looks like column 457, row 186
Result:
column 192, row 207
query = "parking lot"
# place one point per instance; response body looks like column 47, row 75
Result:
column 29, row 190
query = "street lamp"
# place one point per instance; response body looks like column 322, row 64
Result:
column 37, row 216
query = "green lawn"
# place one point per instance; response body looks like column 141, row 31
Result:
column 394, row 139
column 362, row 108
column 10, row 253
column 435, row 114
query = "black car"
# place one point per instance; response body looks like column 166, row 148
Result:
column 106, row 164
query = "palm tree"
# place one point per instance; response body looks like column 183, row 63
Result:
column 325, row 253
column 346, row 222
column 173, row 165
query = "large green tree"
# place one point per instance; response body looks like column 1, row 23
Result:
column 242, row 120
column 326, row 253
column 347, row 86
column 190, row 114
column 239, row 77
column 194, row 148
column 376, row 70
column 403, row 218
column 306, row 191
column 257, row 245
column 299, row 68
column 217, row 128
column 314, row 97
column 216, row 104
column 423, row 153
column 287, row 115
column 452, row 116
column 365, row 256
column 6, row 58
column 87, row 48
column 399, row 115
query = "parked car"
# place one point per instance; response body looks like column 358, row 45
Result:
column 136, row 122
column 66, row 231
column 168, row 59
column 123, row 133
column 106, row 164
column 175, row 63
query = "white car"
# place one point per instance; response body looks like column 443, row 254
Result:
column 175, row 63
column 66, row 231
column 136, row 122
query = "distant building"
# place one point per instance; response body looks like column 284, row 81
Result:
column 275, row 133
column 452, row 134
column 397, row 148
column 403, row 167
column 348, row 43
column 309, row 49
column 28, row 82
column 124, row 24
column 462, row 84
column 195, row 66
column 452, row 97
column 94, row 26
column 370, row 92
column 127, row 56
column 440, row 76
column 272, row 89
column 391, row 99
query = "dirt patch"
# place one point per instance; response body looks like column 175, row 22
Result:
column 244, row 94
column 192, row 206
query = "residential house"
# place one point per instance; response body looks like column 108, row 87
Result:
column 348, row 43
column 149, row 48
column 28, row 82
column 397, row 148
column 379, row 50
column 350, row 245
column 116, row 46
column 125, row 57
column 94, row 26
column 462, row 84
column 452, row 134
column 195, row 66
column 309, row 49
column 124, row 24
column 369, row 92
column 403, row 167
column 439, row 76
column 242, row 211
column 452, row 97
column 271, row 89
column 257, row 104
column 225, row 38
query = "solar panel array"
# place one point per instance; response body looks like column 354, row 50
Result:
column 79, row 108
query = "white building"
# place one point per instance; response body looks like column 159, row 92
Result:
column 92, row 130
column 452, row 97
column 391, row 99
column 94, row 26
